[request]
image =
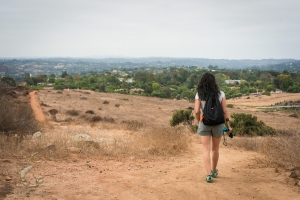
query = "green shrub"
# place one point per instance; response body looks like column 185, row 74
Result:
column 246, row 124
column 230, row 106
column 294, row 115
column 185, row 117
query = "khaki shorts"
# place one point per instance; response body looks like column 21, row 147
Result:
column 215, row 131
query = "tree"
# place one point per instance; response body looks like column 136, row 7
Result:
column 188, row 94
column 64, row 74
column 28, row 79
column 155, row 86
column 10, row 81
column 51, row 78
column 283, row 81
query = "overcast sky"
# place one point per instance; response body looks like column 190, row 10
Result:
column 216, row 29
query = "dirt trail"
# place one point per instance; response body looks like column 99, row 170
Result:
column 36, row 107
column 176, row 178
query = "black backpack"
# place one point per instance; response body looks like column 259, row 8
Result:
column 213, row 112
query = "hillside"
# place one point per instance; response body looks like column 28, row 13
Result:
column 136, row 174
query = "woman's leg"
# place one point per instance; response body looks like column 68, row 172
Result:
column 206, row 152
column 215, row 152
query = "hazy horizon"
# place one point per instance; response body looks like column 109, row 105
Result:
column 233, row 29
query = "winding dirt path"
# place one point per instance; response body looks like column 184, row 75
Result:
column 39, row 115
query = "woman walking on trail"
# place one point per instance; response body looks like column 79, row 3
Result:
column 210, row 135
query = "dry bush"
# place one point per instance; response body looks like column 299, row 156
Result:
column 109, row 119
column 153, row 142
column 117, row 105
column 50, row 147
column 96, row 119
column 83, row 98
column 59, row 92
column 105, row 102
column 45, row 105
column 16, row 119
column 90, row 112
column 59, row 145
column 53, row 111
column 282, row 150
column 73, row 112
column 248, row 143
column 132, row 125
column 163, row 141
column 10, row 145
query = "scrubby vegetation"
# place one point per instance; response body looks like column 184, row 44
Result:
column 185, row 117
column 246, row 124
column 73, row 112
column 16, row 119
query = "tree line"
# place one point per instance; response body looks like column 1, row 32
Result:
column 170, row 82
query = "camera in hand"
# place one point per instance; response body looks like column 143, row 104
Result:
column 231, row 134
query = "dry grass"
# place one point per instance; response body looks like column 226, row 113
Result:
column 132, row 125
column 281, row 150
column 60, row 146
column 16, row 118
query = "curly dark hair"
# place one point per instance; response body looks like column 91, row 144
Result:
column 207, row 86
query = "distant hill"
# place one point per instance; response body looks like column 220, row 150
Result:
column 290, row 66
column 16, row 68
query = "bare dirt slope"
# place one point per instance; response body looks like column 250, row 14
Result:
column 241, row 175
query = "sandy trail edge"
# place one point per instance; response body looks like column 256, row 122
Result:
column 39, row 115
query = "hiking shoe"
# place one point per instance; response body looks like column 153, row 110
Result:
column 209, row 179
column 214, row 174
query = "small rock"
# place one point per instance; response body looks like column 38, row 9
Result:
column 8, row 178
column 37, row 135
column 298, row 183
column 276, row 170
column 293, row 174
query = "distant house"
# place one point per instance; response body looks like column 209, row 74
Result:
column 276, row 92
column 136, row 90
column 233, row 81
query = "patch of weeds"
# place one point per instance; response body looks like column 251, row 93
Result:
column 294, row 115
column 132, row 125
column 83, row 98
column 90, row 112
column 108, row 119
column 125, row 99
column 117, row 105
column 73, row 112
column 230, row 106
column 96, row 119
column 53, row 111
column 45, row 105
column 105, row 102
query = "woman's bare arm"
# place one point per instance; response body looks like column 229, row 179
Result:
column 197, row 110
column 226, row 114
